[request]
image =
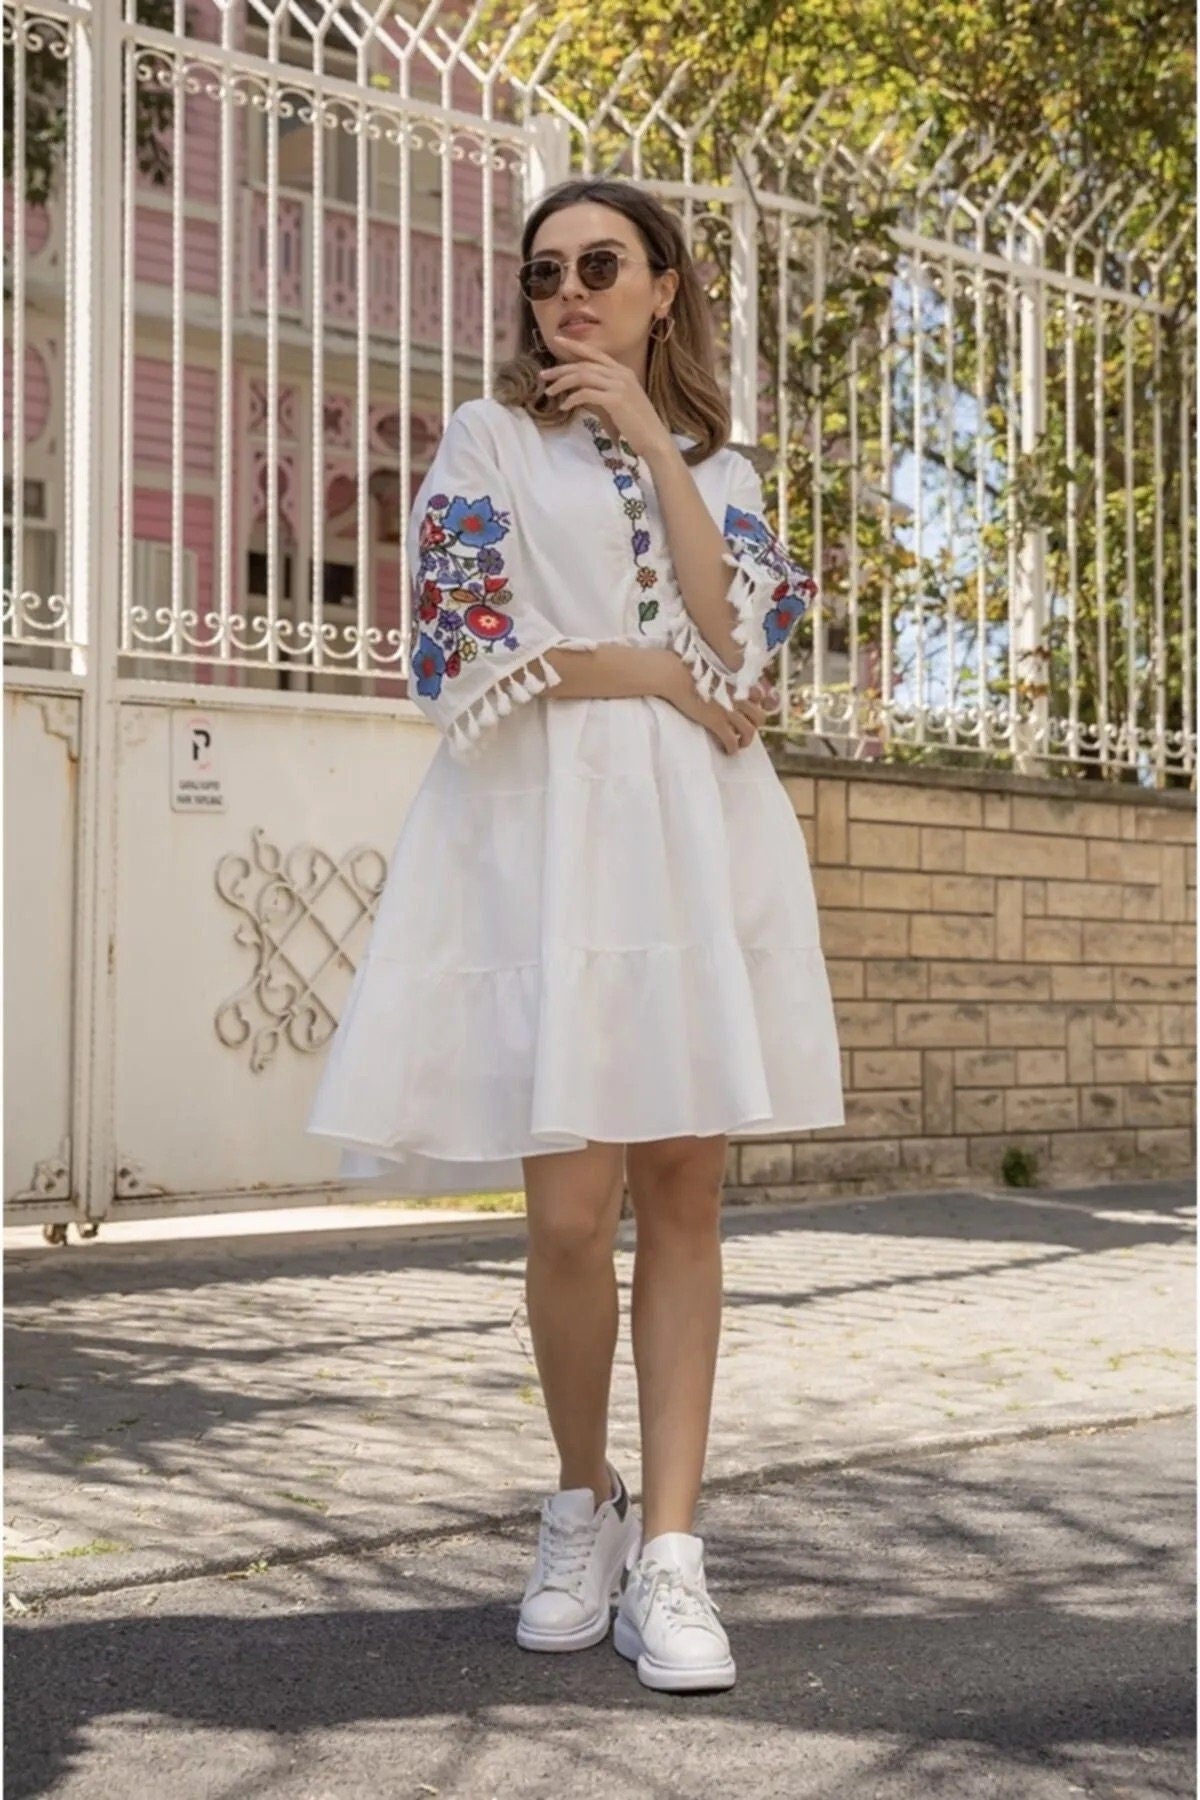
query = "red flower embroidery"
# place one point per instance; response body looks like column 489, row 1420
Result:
column 486, row 622
column 459, row 587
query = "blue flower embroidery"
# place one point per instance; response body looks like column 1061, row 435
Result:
column 753, row 542
column 475, row 521
column 429, row 665
column 460, row 589
column 778, row 623
column 746, row 525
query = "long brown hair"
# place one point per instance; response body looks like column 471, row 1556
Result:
column 681, row 375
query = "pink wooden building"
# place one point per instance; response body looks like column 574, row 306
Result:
column 374, row 371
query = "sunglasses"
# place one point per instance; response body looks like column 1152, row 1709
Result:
column 541, row 278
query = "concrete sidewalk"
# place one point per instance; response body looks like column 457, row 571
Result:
column 191, row 1406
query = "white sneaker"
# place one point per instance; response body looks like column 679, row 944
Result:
column 667, row 1622
column 583, row 1553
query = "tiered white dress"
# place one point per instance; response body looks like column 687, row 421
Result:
column 596, row 923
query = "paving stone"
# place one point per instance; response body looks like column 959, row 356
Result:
column 191, row 1405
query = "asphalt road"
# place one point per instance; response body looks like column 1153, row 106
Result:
column 1013, row 1622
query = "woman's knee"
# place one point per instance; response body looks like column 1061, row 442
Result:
column 573, row 1203
column 675, row 1184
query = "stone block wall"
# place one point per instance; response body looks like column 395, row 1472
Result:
column 1013, row 962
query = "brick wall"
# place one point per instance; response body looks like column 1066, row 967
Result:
column 1014, row 964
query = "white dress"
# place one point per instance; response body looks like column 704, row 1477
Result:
column 596, row 923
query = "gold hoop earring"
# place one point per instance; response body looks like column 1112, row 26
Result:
column 660, row 337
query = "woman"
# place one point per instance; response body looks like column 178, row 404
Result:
column 597, row 952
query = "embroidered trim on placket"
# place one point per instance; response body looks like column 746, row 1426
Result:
column 621, row 461
column 682, row 636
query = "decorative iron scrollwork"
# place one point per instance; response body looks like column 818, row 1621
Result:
column 293, row 911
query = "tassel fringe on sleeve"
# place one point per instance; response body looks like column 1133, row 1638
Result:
column 770, row 593
column 512, row 687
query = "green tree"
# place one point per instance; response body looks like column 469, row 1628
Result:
column 1095, row 100
column 39, row 55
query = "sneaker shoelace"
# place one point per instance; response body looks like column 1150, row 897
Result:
column 566, row 1550
column 686, row 1601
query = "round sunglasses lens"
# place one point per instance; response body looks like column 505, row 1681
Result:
column 539, row 280
column 599, row 269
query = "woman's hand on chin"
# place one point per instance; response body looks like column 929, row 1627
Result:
column 594, row 379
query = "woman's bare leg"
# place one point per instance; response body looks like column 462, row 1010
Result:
column 675, row 1187
column 573, row 1209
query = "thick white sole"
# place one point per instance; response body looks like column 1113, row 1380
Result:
column 594, row 1630
column 581, row 1637
column 669, row 1678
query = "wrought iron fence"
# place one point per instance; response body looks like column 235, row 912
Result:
column 256, row 253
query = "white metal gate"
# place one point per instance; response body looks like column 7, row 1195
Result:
column 276, row 251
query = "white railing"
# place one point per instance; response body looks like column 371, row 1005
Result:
column 991, row 477
column 297, row 220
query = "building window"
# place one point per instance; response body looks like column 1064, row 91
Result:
column 339, row 583
column 339, row 609
column 40, row 575
column 256, row 574
column 295, row 135
column 151, row 589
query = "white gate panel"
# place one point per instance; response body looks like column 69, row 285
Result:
column 41, row 762
column 238, row 932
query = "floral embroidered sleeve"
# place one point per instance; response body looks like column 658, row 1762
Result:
column 478, row 642
column 770, row 592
